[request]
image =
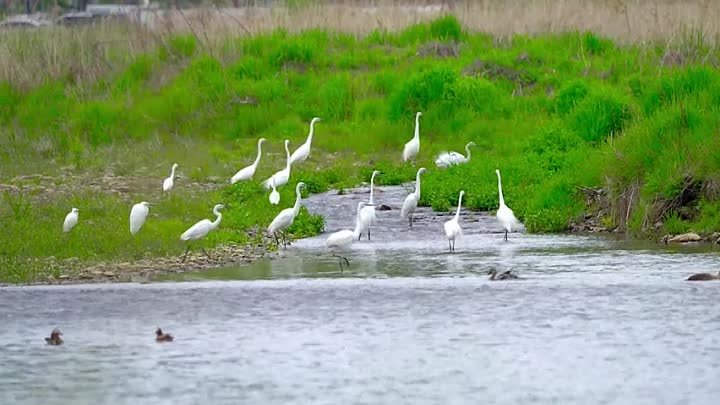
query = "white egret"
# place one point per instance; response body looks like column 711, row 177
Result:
column 201, row 229
column 342, row 240
column 170, row 181
column 367, row 214
column 248, row 172
column 504, row 214
column 452, row 227
column 281, row 177
column 412, row 147
column 138, row 214
column 286, row 217
column 274, row 195
column 411, row 201
column 71, row 219
column 303, row 151
column 447, row 159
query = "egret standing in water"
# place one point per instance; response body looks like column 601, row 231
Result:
column 138, row 214
column 342, row 240
column 281, row 177
column 412, row 147
column 201, row 229
column 504, row 214
column 448, row 159
column 367, row 214
column 411, row 201
column 303, row 151
column 452, row 227
column 170, row 181
column 286, row 217
column 71, row 219
column 247, row 173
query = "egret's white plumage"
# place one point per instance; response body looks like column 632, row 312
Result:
column 411, row 201
column 201, row 229
column 342, row 240
column 367, row 214
column 247, row 173
column 138, row 214
column 452, row 227
column 303, row 151
column 412, row 147
column 274, row 195
column 281, row 177
column 504, row 214
column 447, row 159
column 71, row 219
column 170, row 181
column 286, row 217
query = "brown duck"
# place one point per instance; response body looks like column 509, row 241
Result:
column 507, row 275
column 162, row 337
column 703, row 277
column 54, row 339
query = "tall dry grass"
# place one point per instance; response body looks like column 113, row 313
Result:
column 86, row 53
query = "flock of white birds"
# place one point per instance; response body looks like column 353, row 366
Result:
column 337, row 241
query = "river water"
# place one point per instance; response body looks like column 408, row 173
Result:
column 593, row 321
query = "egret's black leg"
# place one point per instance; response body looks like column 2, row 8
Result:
column 368, row 233
column 186, row 253
column 411, row 220
column 206, row 254
column 277, row 240
column 450, row 245
column 506, row 232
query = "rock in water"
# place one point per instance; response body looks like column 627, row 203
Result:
column 686, row 237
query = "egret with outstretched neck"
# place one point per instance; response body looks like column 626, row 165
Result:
column 286, row 217
column 303, row 151
column 138, row 214
column 367, row 214
column 504, row 214
column 281, row 177
column 452, row 227
column 342, row 240
column 201, row 229
column 412, row 147
column 411, row 201
column 447, row 159
column 169, row 182
column 247, row 173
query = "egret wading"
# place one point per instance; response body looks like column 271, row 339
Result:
column 412, row 147
column 367, row 214
column 447, row 159
column 247, row 173
column 411, row 201
column 286, row 217
column 504, row 214
column 71, row 219
column 169, row 182
column 138, row 214
column 281, row 177
column 303, row 151
column 201, row 229
column 452, row 227
column 342, row 240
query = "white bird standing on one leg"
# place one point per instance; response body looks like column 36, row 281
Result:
column 170, row 181
column 367, row 214
column 342, row 240
column 281, row 177
column 452, row 227
column 448, row 159
column 411, row 201
column 286, row 217
column 201, row 229
column 138, row 214
column 71, row 219
column 303, row 151
column 412, row 147
column 504, row 214
column 247, row 173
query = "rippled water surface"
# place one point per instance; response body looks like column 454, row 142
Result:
column 593, row 321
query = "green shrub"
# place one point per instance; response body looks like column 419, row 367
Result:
column 569, row 96
column 179, row 47
column 421, row 90
column 598, row 116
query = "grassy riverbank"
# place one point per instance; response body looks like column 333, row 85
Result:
column 577, row 124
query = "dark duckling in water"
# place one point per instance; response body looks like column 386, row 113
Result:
column 703, row 277
column 162, row 337
column 502, row 276
column 54, row 339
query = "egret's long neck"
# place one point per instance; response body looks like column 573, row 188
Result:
column 417, row 128
column 502, row 200
column 296, row 207
column 172, row 172
column 287, row 155
column 217, row 220
column 257, row 159
column 467, row 149
column 457, row 213
column 417, row 185
column 310, row 135
column 372, row 186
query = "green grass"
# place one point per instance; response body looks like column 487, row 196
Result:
column 553, row 113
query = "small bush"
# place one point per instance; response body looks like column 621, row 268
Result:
column 598, row 116
column 569, row 96
column 419, row 91
column 479, row 95
column 595, row 45
column 9, row 98
column 179, row 47
column 446, row 28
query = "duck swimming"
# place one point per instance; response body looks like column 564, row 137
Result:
column 162, row 337
column 703, row 277
column 54, row 339
column 507, row 275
